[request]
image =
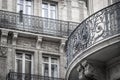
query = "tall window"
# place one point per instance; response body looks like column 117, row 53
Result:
column 23, row 63
column 50, row 66
column 49, row 10
column 25, row 6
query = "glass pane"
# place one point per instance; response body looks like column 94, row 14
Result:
column 52, row 14
column 28, row 56
column 45, row 5
column 54, row 60
column 54, row 70
column 28, row 10
column 19, row 66
column 19, row 7
column 45, row 59
column 53, row 7
column 29, row 2
column 28, row 67
column 52, row 11
column 44, row 12
column 46, row 70
column 19, row 55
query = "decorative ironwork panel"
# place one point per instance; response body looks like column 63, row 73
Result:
column 99, row 26
column 23, row 76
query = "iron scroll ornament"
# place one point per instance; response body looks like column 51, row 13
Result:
column 85, row 35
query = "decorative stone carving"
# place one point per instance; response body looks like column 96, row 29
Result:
column 4, row 37
column 39, row 42
column 81, row 71
column 88, row 68
column 3, row 51
column 86, row 71
column 62, row 45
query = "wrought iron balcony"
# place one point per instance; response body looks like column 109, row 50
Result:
column 96, row 28
column 35, row 24
column 23, row 76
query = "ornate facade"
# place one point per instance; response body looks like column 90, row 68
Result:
column 93, row 48
column 33, row 35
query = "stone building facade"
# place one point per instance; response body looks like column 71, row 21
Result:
column 33, row 35
column 93, row 49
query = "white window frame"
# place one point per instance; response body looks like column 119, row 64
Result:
column 24, row 6
column 49, row 9
column 23, row 61
column 49, row 64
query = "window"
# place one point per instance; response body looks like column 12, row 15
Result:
column 49, row 10
column 50, row 66
column 25, row 6
column 23, row 62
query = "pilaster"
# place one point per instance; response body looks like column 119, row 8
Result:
column 39, row 55
column 62, row 58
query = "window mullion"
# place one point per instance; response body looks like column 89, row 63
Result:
column 23, row 67
column 49, row 14
column 50, row 66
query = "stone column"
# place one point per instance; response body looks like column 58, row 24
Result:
column 4, row 36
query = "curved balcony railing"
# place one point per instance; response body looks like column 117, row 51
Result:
column 99, row 26
column 35, row 24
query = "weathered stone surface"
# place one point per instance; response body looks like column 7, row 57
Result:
column 26, row 42
column 2, row 68
column 50, row 46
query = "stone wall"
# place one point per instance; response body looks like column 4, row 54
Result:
column 3, row 64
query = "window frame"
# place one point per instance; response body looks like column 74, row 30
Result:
column 49, row 3
column 49, row 64
column 23, row 59
column 24, row 4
